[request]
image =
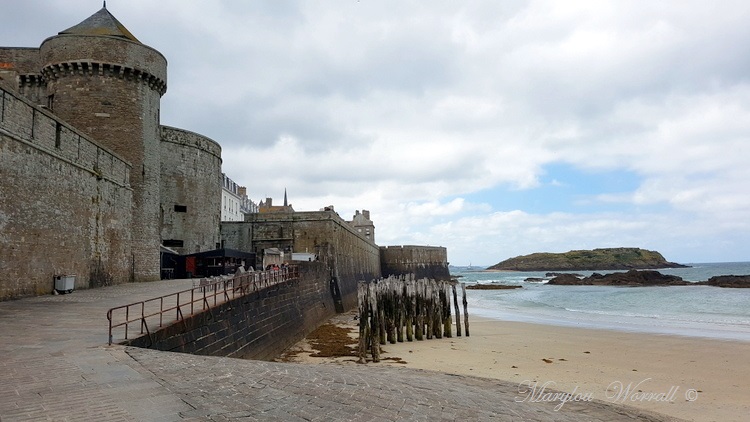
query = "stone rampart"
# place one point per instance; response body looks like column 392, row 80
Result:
column 190, row 191
column 258, row 326
column 350, row 256
column 422, row 261
column 65, row 204
column 21, row 67
column 19, row 60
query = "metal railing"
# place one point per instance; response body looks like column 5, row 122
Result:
column 205, row 294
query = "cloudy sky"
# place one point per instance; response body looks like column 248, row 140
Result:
column 493, row 128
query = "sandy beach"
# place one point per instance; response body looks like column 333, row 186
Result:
column 691, row 378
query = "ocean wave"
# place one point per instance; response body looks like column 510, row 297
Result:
column 614, row 313
column 686, row 318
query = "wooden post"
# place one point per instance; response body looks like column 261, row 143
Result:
column 391, row 309
column 437, row 313
column 445, row 302
column 399, row 293
column 466, row 309
column 364, row 319
column 419, row 311
column 381, row 320
column 427, row 293
column 455, row 306
column 410, row 316
column 375, row 324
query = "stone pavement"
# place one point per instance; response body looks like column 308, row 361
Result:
column 55, row 365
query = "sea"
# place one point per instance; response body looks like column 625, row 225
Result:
column 696, row 311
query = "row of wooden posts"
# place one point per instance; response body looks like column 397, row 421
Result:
column 398, row 308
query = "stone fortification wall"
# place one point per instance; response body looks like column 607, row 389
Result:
column 422, row 261
column 350, row 256
column 65, row 204
column 190, row 191
column 19, row 60
column 258, row 326
column 237, row 235
column 110, row 88
column 21, row 67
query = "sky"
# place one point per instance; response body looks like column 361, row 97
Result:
column 492, row 128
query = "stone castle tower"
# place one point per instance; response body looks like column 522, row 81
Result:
column 106, row 83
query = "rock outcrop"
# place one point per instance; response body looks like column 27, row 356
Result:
column 597, row 259
column 630, row 278
column 492, row 286
column 729, row 281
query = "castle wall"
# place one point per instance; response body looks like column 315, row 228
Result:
column 350, row 256
column 20, row 66
column 258, row 326
column 190, row 191
column 19, row 60
column 115, row 99
column 65, row 204
column 422, row 261
column 237, row 235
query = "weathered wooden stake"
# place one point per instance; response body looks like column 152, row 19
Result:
column 446, row 304
column 375, row 324
column 364, row 319
column 466, row 309
column 437, row 314
column 418, row 312
column 458, row 313
column 400, row 297
column 410, row 317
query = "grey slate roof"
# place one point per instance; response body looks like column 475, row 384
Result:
column 101, row 23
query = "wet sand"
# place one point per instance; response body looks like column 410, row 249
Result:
column 686, row 377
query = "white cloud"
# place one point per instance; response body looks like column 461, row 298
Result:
column 412, row 110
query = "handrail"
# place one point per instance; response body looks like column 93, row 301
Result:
column 183, row 303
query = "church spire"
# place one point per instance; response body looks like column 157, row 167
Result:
column 285, row 203
column 105, row 4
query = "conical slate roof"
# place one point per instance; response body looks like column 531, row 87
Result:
column 101, row 23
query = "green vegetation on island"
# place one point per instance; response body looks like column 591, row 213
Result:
column 596, row 259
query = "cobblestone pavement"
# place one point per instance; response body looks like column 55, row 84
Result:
column 55, row 365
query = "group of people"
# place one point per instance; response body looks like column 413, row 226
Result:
column 276, row 267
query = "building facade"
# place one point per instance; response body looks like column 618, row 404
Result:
column 362, row 223
column 247, row 206
column 230, row 200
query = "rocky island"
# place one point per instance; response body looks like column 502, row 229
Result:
column 647, row 278
column 630, row 278
column 596, row 259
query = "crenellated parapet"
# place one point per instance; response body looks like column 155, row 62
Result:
column 114, row 70
column 30, row 80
